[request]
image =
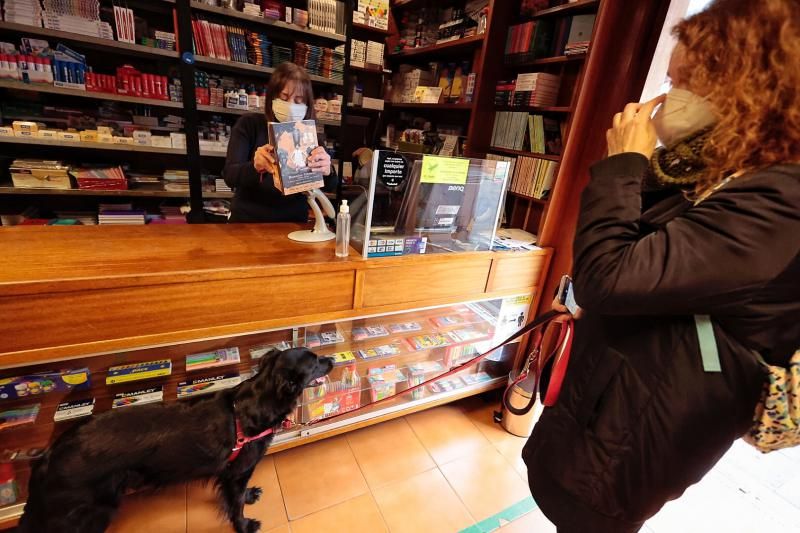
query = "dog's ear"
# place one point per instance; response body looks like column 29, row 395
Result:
column 268, row 361
column 289, row 383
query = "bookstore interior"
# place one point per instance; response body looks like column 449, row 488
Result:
column 459, row 134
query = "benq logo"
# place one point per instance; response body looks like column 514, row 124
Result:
column 459, row 188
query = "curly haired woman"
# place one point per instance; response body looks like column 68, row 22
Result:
column 644, row 411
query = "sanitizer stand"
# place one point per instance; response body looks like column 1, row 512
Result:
column 320, row 233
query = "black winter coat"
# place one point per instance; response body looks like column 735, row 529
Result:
column 255, row 198
column 638, row 420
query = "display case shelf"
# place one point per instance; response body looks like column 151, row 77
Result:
column 82, row 145
column 236, row 66
column 451, row 46
column 130, row 193
column 580, row 6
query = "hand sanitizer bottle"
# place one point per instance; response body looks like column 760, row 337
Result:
column 343, row 230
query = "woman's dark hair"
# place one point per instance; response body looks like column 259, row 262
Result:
column 284, row 73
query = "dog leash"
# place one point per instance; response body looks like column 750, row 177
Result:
column 543, row 320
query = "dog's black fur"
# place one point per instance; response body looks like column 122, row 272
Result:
column 77, row 485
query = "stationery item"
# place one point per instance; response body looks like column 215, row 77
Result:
column 19, row 417
column 417, row 374
column 473, row 379
column 467, row 334
column 138, row 371
column 446, row 385
column 294, row 142
column 257, row 352
column 73, row 409
column 379, row 351
column 221, row 357
column 383, row 381
column 43, row 383
column 369, row 332
column 138, row 397
column 333, row 397
column 427, row 342
column 449, row 320
column 343, row 357
column 9, row 490
column 405, row 327
column 200, row 386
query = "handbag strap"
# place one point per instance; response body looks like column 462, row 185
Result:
column 708, row 343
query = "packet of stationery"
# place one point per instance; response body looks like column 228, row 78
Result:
column 138, row 397
column 379, row 351
column 257, row 352
column 221, row 357
column 73, row 409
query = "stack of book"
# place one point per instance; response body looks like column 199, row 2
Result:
column 358, row 53
column 28, row 12
column 219, row 41
column 509, row 130
column 105, row 179
column 337, row 63
column 543, row 133
column 536, row 89
column 375, row 53
column 579, row 35
column 533, row 38
column 533, row 177
column 84, row 218
column 79, row 17
column 326, row 15
column 120, row 215
column 280, row 54
column 221, row 186
column 145, row 182
column 176, row 180
column 173, row 214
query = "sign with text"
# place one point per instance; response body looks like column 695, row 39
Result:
column 392, row 169
column 450, row 170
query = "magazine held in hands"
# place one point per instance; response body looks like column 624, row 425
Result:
column 294, row 142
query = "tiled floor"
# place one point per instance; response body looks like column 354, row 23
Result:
column 444, row 470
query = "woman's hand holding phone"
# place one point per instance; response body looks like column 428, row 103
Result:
column 264, row 159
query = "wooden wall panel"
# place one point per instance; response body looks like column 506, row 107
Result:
column 417, row 283
column 137, row 313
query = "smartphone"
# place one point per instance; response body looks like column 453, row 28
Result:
column 566, row 295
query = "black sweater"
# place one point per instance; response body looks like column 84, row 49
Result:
column 257, row 199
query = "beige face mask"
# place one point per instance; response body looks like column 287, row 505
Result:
column 681, row 115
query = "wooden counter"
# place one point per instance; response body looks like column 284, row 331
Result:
column 67, row 292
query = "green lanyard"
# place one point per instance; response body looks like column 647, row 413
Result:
column 708, row 343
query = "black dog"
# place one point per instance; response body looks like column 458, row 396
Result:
column 78, row 483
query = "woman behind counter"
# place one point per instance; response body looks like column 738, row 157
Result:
column 250, row 162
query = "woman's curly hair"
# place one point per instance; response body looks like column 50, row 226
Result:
column 745, row 56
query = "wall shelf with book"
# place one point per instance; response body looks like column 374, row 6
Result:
column 88, row 41
column 233, row 111
column 236, row 66
column 508, row 151
column 8, row 189
column 52, row 89
column 452, row 46
column 535, row 109
column 372, row 29
column 434, row 107
column 527, row 60
column 272, row 23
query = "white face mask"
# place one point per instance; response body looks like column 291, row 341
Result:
column 288, row 112
column 681, row 115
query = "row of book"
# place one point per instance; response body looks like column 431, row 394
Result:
column 543, row 133
column 532, row 177
column 232, row 43
column 548, row 37
column 535, row 89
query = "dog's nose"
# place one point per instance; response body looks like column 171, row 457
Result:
column 327, row 362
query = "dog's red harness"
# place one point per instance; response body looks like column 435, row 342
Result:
column 242, row 440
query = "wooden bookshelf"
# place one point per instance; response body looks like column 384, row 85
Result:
column 230, row 111
column 508, row 151
column 271, row 23
column 88, row 41
column 442, row 107
column 236, row 66
column 451, row 46
column 370, row 69
column 573, row 8
column 80, row 145
column 365, row 27
column 130, row 193
column 539, row 201
column 523, row 62
column 52, row 89
column 535, row 109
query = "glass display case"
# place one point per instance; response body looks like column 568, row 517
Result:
column 376, row 357
column 424, row 204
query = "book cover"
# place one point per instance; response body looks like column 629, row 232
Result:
column 552, row 136
column 424, row 342
column 43, row 383
column 343, row 357
column 138, row 371
column 294, row 142
column 138, row 397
